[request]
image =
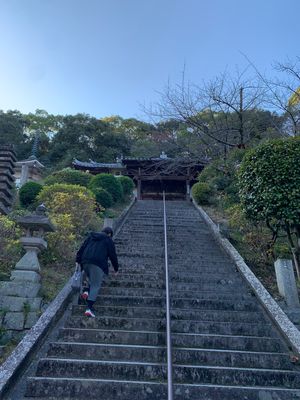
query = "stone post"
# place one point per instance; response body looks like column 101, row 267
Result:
column 139, row 189
column 19, row 297
column 188, row 190
column 108, row 222
column 287, row 283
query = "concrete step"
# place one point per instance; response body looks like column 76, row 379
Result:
column 195, row 303
column 247, row 343
column 174, row 293
column 176, row 314
column 93, row 369
column 178, row 326
column 154, row 354
column 111, row 389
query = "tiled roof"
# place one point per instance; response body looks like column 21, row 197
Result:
column 94, row 164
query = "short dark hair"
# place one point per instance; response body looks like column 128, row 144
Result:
column 108, row 231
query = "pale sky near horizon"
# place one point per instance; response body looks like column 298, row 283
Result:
column 106, row 57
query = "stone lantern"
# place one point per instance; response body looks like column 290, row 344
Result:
column 19, row 296
column 36, row 224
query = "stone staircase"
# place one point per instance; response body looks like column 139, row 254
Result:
column 224, row 347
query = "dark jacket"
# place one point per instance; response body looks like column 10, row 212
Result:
column 97, row 249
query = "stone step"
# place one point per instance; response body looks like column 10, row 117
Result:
column 155, row 354
column 178, row 326
column 111, row 389
column 93, row 369
column 195, row 303
column 141, row 283
column 174, row 292
column 137, row 279
column 176, row 314
column 158, row 284
column 247, row 343
column 158, row 271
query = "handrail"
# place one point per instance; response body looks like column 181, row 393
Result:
column 169, row 344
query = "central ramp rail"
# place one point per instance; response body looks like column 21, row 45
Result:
column 168, row 316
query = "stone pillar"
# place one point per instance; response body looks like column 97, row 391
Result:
column 287, row 283
column 188, row 190
column 139, row 189
column 7, row 167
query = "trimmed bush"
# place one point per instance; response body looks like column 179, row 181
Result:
column 269, row 183
column 203, row 193
column 72, row 209
column 69, row 176
column 127, row 184
column 103, row 197
column 29, row 192
column 108, row 182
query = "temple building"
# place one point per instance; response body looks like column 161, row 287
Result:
column 153, row 175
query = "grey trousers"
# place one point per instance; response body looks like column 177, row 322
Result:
column 95, row 275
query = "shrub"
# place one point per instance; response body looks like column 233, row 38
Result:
column 127, row 184
column 69, row 176
column 269, row 183
column 203, row 193
column 254, row 239
column 108, row 182
column 74, row 200
column 103, row 197
column 72, row 209
column 10, row 247
column 29, row 192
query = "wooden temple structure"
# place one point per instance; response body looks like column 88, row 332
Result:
column 152, row 175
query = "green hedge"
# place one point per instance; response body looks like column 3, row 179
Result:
column 103, row 197
column 69, row 176
column 203, row 193
column 29, row 192
column 127, row 184
column 108, row 182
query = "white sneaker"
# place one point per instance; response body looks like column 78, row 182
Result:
column 89, row 313
column 84, row 295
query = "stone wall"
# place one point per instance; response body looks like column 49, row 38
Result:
column 7, row 167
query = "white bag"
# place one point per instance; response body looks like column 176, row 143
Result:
column 76, row 278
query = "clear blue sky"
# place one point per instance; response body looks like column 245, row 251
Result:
column 106, row 57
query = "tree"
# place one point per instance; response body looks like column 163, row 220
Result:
column 283, row 94
column 85, row 137
column 269, row 189
column 217, row 112
column 12, row 125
